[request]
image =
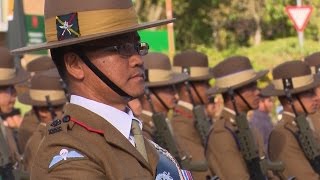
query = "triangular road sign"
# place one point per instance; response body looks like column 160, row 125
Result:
column 299, row 15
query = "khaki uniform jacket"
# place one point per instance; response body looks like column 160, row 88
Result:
column 102, row 152
column 284, row 146
column 315, row 123
column 223, row 155
column 28, row 126
column 148, row 128
column 32, row 146
column 188, row 138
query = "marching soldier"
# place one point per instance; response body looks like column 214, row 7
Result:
column 292, row 141
column 9, row 116
column 30, row 120
column 47, row 98
column 97, row 50
column 159, row 81
column 313, row 61
column 235, row 151
column 187, row 133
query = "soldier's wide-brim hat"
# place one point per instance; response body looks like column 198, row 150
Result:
column 76, row 21
column 41, row 85
column 233, row 73
column 158, row 72
column 9, row 74
column 41, row 63
column 296, row 76
column 313, row 61
column 193, row 63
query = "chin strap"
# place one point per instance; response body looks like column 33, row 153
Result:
column 302, row 105
column 101, row 76
column 244, row 100
column 160, row 100
column 197, row 93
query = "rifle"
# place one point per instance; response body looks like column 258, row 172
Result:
column 6, row 165
column 50, row 108
column 202, row 122
column 164, row 138
column 257, row 166
column 8, row 169
column 305, row 137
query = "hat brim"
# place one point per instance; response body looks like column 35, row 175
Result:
column 26, row 99
column 271, row 91
column 21, row 76
column 201, row 78
column 67, row 42
column 216, row 90
column 176, row 78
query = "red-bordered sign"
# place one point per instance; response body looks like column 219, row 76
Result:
column 299, row 15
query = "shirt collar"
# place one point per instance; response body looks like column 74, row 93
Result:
column 230, row 110
column 147, row 113
column 119, row 119
column 185, row 104
column 289, row 114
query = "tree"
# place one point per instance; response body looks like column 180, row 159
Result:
column 192, row 26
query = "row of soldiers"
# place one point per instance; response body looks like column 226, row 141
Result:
column 38, row 86
column 174, row 114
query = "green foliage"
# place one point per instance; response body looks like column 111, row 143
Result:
column 266, row 55
column 193, row 23
column 228, row 25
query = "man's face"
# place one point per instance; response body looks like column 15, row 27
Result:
column 201, row 87
column 317, row 91
column 126, row 71
column 7, row 98
column 45, row 114
column 250, row 93
column 167, row 95
column 266, row 104
column 309, row 100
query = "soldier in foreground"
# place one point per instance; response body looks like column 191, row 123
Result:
column 292, row 141
column 235, row 151
column 97, row 50
column 190, row 122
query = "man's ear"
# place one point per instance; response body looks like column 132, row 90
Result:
column 74, row 65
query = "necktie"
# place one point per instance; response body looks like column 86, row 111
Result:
column 138, row 138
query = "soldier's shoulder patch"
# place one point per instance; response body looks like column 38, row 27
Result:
column 64, row 155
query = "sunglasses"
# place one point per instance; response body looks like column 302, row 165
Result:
column 128, row 49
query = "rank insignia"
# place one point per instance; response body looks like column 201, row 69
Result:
column 64, row 155
column 67, row 26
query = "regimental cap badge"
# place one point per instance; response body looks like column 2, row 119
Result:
column 186, row 70
column 287, row 83
column 67, row 26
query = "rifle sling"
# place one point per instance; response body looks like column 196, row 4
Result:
column 315, row 163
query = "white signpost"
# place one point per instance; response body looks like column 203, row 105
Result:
column 300, row 16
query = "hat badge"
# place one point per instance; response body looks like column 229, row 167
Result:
column 186, row 70
column 287, row 82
